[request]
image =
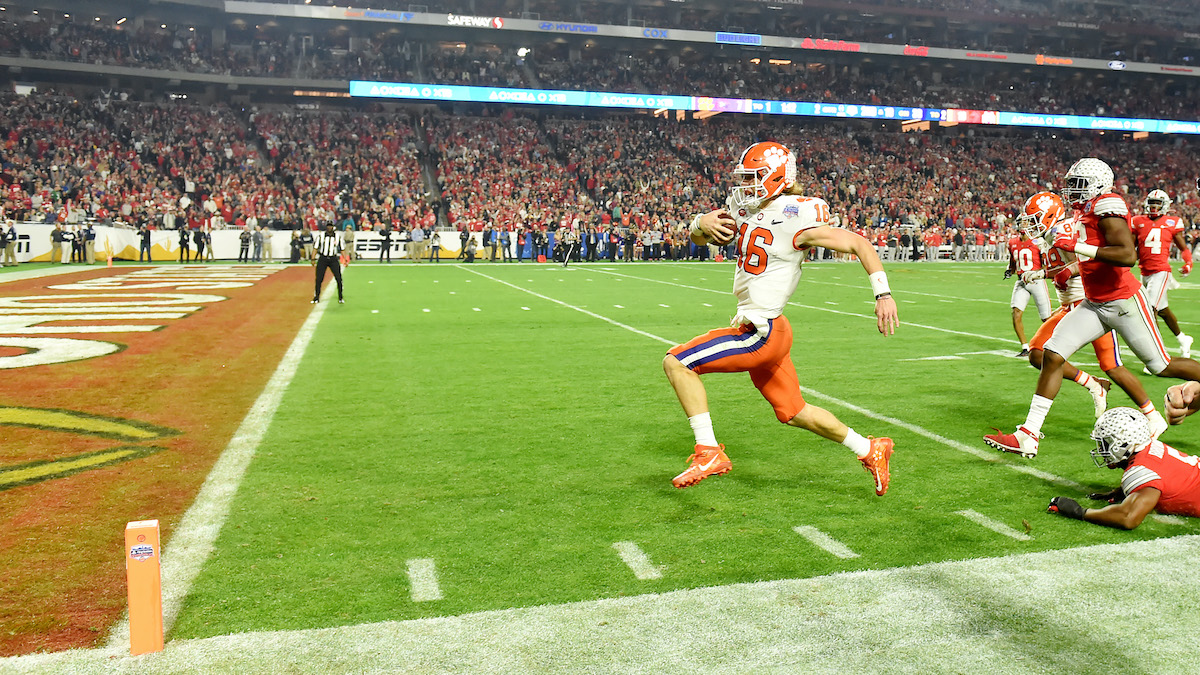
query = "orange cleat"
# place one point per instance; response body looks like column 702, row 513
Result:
column 876, row 463
column 706, row 461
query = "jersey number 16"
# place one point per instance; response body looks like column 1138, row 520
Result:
column 752, row 257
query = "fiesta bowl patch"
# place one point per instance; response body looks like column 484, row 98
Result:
column 141, row 552
column 791, row 211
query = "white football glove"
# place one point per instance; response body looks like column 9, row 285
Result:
column 1032, row 276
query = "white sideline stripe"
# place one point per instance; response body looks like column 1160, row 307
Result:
column 993, row 525
column 824, row 541
column 1167, row 520
column 638, row 561
column 190, row 545
column 986, row 455
column 422, row 578
column 930, row 614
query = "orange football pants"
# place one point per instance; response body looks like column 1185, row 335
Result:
column 743, row 350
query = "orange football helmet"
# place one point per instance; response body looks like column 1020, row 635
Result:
column 1040, row 213
column 764, row 171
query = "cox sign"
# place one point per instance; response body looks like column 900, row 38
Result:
column 654, row 32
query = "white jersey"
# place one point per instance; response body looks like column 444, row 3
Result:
column 768, row 266
column 1054, row 262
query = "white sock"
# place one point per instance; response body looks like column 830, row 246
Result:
column 702, row 428
column 1084, row 380
column 1039, row 407
column 856, row 442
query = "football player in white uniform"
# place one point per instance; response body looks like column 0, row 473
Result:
column 775, row 226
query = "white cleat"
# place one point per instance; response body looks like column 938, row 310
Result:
column 1157, row 424
column 1185, row 346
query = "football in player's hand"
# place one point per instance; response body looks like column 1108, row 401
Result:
column 720, row 239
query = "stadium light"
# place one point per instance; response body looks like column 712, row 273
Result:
column 523, row 51
column 122, row 20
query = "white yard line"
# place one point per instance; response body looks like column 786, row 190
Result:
column 637, row 561
column 1001, row 615
column 422, row 579
column 192, row 542
column 993, row 525
column 825, row 542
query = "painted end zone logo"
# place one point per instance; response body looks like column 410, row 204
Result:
column 97, row 307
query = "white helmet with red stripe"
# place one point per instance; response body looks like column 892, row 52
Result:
column 1156, row 203
column 1085, row 180
column 764, row 171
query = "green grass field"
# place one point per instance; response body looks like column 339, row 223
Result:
column 512, row 422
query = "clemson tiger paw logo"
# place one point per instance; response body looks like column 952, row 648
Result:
column 774, row 157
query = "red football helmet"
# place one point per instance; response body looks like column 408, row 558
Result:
column 1040, row 213
column 764, row 171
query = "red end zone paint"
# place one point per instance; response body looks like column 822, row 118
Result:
column 147, row 373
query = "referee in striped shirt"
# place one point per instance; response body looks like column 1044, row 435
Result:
column 328, row 246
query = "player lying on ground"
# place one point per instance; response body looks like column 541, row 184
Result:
column 775, row 226
column 1157, row 477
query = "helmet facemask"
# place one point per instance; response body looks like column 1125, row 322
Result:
column 750, row 190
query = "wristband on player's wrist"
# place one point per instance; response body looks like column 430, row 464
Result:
column 695, row 228
column 879, row 285
column 1086, row 250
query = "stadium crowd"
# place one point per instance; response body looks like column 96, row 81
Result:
column 179, row 165
column 396, row 57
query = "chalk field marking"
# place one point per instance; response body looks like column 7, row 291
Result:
column 993, row 525
column 1167, row 520
column 422, row 579
column 824, row 541
column 184, row 556
column 985, row 455
column 937, row 358
column 638, row 561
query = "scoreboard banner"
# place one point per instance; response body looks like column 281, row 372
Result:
column 431, row 92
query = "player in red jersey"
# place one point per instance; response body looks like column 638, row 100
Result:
column 1041, row 212
column 1025, row 257
column 1114, row 301
column 1156, row 231
column 1157, row 477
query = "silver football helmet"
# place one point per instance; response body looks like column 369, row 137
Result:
column 1085, row 180
column 1156, row 204
column 1119, row 433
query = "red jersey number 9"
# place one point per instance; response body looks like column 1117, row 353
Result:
column 753, row 258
